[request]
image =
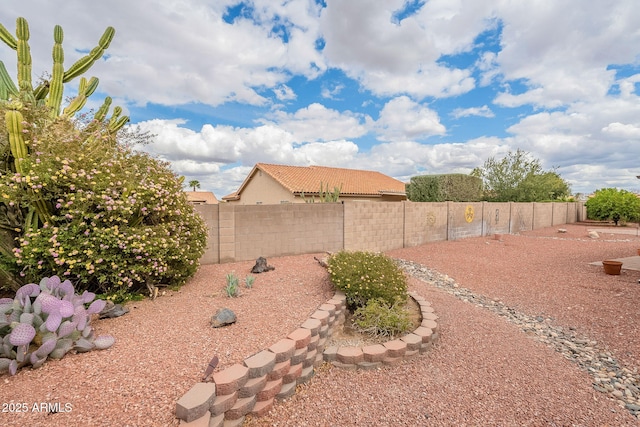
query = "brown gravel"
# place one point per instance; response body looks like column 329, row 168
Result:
column 483, row 372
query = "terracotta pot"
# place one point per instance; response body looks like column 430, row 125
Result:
column 638, row 251
column 612, row 267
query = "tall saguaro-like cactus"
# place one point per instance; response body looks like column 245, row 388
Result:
column 20, row 97
column 51, row 92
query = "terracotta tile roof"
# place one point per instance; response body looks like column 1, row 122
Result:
column 201, row 197
column 354, row 182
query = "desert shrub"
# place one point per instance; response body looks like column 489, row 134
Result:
column 381, row 319
column 363, row 276
column 613, row 204
column 119, row 218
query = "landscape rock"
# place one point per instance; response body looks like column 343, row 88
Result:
column 223, row 317
column 262, row 266
column 609, row 377
column 594, row 234
column 112, row 310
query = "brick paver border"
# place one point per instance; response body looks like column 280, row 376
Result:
column 252, row 387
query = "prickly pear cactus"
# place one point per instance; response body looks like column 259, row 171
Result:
column 47, row 321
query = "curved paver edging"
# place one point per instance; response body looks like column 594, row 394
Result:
column 252, row 387
column 390, row 352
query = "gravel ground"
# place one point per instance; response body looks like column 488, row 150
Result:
column 491, row 367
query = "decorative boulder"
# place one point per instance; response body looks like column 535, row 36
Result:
column 223, row 317
column 262, row 266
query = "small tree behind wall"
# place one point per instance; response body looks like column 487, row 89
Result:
column 614, row 205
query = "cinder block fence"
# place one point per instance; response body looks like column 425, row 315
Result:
column 246, row 232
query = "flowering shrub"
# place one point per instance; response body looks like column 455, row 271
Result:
column 363, row 276
column 119, row 218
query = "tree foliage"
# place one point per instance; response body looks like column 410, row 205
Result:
column 613, row 204
column 520, row 178
column 194, row 184
column 441, row 188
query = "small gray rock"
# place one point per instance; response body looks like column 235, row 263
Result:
column 223, row 317
column 112, row 310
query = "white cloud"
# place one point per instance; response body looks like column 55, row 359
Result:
column 621, row 130
column 483, row 111
column 284, row 93
column 318, row 123
column 404, row 119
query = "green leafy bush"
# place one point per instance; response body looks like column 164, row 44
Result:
column 441, row 188
column 613, row 204
column 381, row 319
column 363, row 276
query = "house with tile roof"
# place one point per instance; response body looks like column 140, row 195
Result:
column 201, row 197
column 275, row 184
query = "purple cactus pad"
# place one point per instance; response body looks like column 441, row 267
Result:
column 66, row 308
column 22, row 334
column 53, row 321
column 87, row 297
column 66, row 328
column 66, row 288
column 80, row 317
column 26, row 291
column 104, row 341
column 46, row 348
column 48, row 303
column 53, row 282
column 96, row 306
column 6, row 304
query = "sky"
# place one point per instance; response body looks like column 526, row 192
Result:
column 401, row 87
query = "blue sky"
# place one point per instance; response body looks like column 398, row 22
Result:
column 401, row 87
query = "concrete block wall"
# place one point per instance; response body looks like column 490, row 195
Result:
column 246, row 232
column 521, row 217
column 424, row 223
column 465, row 220
column 496, row 218
column 210, row 214
column 287, row 229
column 559, row 213
column 572, row 213
column 373, row 226
column 542, row 215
